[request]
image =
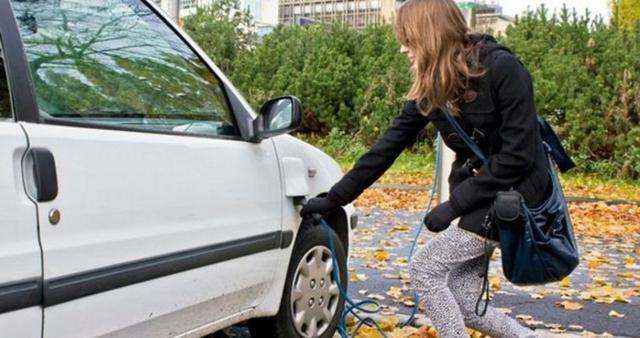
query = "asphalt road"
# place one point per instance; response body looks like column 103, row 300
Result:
column 394, row 230
column 376, row 228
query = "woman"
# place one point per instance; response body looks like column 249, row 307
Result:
column 490, row 94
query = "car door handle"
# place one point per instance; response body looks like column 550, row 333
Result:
column 44, row 174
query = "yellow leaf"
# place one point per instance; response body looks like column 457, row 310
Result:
column 408, row 301
column 381, row 255
column 625, row 274
column 389, row 323
column 476, row 334
column 369, row 332
column 566, row 282
column 571, row 306
column 395, row 292
column 621, row 299
column 494, row 282
column 357, row 277
column 593, row 263
column 401, row 227
column 628, row 260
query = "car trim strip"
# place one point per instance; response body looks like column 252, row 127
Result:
column 63, row 289
column 20, row 295
column 27, row 293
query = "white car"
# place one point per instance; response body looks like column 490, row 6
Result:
column 141, row 196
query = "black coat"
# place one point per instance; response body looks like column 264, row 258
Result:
column 500, row 112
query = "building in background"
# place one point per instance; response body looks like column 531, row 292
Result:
column 486, row 17
column 264, row 12
column 354, row 13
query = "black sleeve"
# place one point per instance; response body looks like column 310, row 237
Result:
column 401, row 134
column 518, row 133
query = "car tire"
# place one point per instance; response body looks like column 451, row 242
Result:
column 311, row 303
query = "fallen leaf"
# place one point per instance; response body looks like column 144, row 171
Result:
column 494, row 282
column 358, row 277
column 389, row 323
column 625, row 274
column 381, row 255
column 571, row 306
column 628, row 260
column 376, row 296
column 401, row 227
column 395, row 292
column 615, row 314
column 537, row 296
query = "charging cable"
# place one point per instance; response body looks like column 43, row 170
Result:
column 352, row 306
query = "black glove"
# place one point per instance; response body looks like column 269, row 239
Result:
column 440, row 217
column 319, row 205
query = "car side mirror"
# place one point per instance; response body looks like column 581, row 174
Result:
column 277, row 116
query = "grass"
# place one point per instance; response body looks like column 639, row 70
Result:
column 415, row 167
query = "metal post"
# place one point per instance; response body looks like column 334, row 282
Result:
column 447, row 156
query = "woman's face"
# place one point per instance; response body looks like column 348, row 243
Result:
column 409, row 53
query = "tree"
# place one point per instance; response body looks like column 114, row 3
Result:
column 222, row 31
column 314, row 63
column 625, row 13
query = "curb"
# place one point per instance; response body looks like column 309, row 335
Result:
column 570, row 199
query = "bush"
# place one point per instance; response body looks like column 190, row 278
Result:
column 352, row 83
column 586, row 82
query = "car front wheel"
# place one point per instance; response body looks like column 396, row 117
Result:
column 311, row 302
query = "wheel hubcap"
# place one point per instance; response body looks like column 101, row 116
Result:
column 314, row 293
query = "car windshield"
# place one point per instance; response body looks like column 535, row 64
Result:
column 117, row 62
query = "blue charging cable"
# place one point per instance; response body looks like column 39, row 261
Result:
column 351, row 306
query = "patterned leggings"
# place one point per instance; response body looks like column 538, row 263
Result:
column 446, row 273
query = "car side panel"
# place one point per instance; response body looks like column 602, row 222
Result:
column 20, row 263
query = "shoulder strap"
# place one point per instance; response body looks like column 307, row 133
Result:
column 555, row 148
column 466, row 138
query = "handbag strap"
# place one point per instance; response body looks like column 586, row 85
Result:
column 550, row 139
column 466, row 138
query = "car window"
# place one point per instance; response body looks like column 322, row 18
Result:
column 5, row 99
column 116, row 62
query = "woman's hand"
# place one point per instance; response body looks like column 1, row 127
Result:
column 319, row 205
column 440, row 217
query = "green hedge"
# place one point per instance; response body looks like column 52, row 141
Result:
column 353, row 82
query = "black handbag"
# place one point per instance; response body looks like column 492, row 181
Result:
column 538, row 244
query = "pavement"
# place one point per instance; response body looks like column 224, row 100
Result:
column 536, row 307
column 391, row 232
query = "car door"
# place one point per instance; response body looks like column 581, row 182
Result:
column 164, row 218
column 20, row 264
